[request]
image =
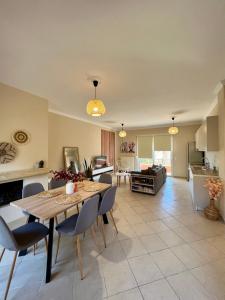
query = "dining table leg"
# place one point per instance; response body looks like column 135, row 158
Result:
column 30, row 219
column 50, row 246
column 105, row 219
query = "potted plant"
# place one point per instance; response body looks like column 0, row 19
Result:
column 215, row 188
column 88, row 171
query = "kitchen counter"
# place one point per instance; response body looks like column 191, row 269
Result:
column 199, row 171
column 197, row 181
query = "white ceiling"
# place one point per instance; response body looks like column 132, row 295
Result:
column 154, row 58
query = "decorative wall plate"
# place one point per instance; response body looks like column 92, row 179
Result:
column 20, row 137
column 7, row 152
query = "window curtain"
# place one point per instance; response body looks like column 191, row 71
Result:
column 145, row 146
column 162, row 143
column 108, row 145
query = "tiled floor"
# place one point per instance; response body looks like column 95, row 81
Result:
column 164, row 250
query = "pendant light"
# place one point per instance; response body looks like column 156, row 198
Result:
column 95, row 107
column 173, row 129
column 122, row 132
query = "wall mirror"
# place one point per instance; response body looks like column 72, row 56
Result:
column 71, row 159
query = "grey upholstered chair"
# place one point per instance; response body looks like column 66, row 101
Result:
column 32, row 189
column 56, row 183
column 19, row 239
column 105, row 178
column 78, row 224
column 106, row 205
column 28, row 191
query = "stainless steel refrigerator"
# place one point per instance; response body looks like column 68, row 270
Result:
column 194, row 157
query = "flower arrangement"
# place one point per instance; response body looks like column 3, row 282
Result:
column 68, row 176
column 215, row 187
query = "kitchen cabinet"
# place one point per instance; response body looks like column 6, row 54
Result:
column 207, row 136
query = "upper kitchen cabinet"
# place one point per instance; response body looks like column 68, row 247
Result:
column 207, row 136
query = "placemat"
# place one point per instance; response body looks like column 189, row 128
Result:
column 68, row 199
column 49, row 194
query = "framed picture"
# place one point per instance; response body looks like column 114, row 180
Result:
column 127, row 147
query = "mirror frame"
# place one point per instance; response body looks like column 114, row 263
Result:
column 76, row 160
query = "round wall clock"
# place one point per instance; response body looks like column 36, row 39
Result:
column 7, row 152
column 20, row 137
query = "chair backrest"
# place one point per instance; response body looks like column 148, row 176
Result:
column 56, row 183
column 105, row 178
column 7, row 239
column 108, row 200
column 32, row 189
column 88, row 215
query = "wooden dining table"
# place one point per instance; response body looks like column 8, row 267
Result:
column 47, row 205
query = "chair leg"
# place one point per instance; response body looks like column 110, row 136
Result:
column 56, row 221
column 57, row 250
column 34, row 249
column 114, row 223
column 79, row 257
column 1, row 256
column 94, row 237
column 65, row 214
column 46, row 245
column 10, row 275
column 78, row 211
column 102, row 229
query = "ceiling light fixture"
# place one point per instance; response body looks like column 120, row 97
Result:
column 95, row 107
column 122, row 132
column 173, row 129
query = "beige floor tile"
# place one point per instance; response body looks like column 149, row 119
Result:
column 92, row 287
column 218, row 242
column 158, row 290
column 133, row 294
column 187, row 287
column 168, row 263
column 118, row 278
column 144, row 269
column 126, row 232
column 170, row 238
column 207, row 250
column 171, row 222
column 142, row 229
column 133, row 247
column 153, row 243
column 158, row 226
column 190, row 257
column 212, row 283
column 186, row 234
column 149, row 217
column 58, row 289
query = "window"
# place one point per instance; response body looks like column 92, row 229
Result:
column 154, row 149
